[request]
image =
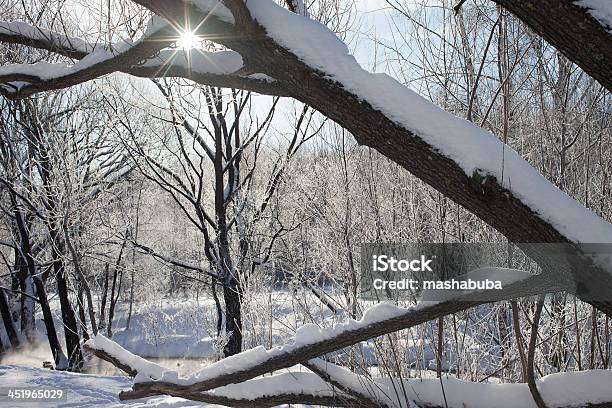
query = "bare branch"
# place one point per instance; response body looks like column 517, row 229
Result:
column 173, row 261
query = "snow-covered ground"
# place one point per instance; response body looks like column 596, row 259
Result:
column 84, row 390
column 168, row 329
column 88, row 391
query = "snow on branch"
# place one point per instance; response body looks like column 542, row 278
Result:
column 132, row 364
column 311, row 341
column 20, row 80
column 16, row 32
column 219, row 69
column 285, row 388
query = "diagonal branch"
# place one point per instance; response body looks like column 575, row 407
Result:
column 173, row 261
column 378, row 320
column 298, row 387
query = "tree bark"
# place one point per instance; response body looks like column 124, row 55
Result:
column 26, row 304
column 9, row 327
column 71, row 331
column 233, row 317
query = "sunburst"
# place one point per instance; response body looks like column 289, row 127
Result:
column 188, row 40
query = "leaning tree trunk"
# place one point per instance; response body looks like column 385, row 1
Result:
column 9, row 327
column 26, row 303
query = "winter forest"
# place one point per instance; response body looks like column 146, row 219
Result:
column 189, row 191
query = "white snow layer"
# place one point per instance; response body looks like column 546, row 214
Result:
column 146, row 370
column 567, row 389
column 36, row 33
column 601, row 10
column 83, row 390
column 558, row 390
column 197, row 60
column 470, row 146
column 293, row 382
column 349, row 380
column 571, row 389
